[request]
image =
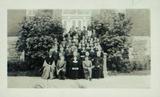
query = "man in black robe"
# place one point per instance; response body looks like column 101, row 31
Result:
column 98, row 67
column 74, row 67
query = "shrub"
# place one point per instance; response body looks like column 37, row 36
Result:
column 36, row 37
column 16, row 65
column 114, row 40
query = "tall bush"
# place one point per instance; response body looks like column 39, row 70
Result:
column 36, row 37
column 114, row 35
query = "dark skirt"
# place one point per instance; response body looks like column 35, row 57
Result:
column 74, row 72
column 61, row 75
column 97, row 73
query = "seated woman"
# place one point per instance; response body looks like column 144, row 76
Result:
column 87, row 67
column 48, row 70
column 61, row 67
column 98, row 66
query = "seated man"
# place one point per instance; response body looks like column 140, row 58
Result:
column 61, row 67
column 87, row 67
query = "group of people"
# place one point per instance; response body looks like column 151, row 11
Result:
column 78, row 55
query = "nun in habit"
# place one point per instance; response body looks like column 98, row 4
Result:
column 98, row 66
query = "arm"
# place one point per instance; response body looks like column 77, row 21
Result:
column 83, row 64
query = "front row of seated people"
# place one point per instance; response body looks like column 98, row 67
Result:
column 75, row 69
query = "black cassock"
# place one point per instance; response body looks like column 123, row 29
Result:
column 97, row 71
column 75, row 69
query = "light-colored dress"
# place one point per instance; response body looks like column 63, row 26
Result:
column 48, row 70
column 61, row 66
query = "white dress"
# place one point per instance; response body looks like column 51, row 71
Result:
column 48, row 70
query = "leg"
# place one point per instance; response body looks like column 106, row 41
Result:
column 90, row 73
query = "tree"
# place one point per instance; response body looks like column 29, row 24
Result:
column 114, row 35
column 36, row 37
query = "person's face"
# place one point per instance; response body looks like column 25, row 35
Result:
column 91, row 44
column 73, row 44
column 83, row 48
column 69, row 40
column 86, row 58
column 61, row 48
column 98, row 54
column 74, row 54
column 83, row 38
column 62, row 58
column 91, row 48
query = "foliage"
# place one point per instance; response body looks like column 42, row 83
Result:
column 16, row 65
column 36, row 37
column 20, row 68
column 114, row 40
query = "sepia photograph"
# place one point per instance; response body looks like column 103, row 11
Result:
column 78, row 48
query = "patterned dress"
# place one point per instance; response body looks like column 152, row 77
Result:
column 61, row 69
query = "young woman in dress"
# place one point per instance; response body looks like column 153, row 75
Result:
column 61, row 67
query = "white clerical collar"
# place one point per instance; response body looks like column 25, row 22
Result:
column 75, row 58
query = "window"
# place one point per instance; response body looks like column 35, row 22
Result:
column 79, row 24
column 31, row 12
column 74, row 23
column 64, row 23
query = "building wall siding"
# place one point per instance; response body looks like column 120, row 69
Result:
column 141, row 21
column 14, row 18
column 12, row 53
